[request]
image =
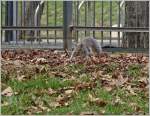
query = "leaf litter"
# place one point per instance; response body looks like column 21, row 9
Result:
column 24, row 64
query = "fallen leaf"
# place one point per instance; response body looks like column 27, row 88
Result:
column 100, row 103
column 54, row 104
column 116, row 74
column 68, row 92
column 108, row 88
column 143, row 82
column 7, row 92
column 51, row 91
column 131, row 91
column 117, row 101
column 102, row 112
column 59, row 74
column 88, row 113
column 21, row 78
column 120, row 81
column 81, row 86
column 18, row 63
column 97, row 101
column 63, row 100
column 5, row 104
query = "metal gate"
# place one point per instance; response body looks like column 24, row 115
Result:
column 63, row 23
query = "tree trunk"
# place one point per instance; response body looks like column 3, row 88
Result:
column 136, row 15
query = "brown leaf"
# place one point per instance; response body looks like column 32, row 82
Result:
column 81, row 86
column 121, row 81
column 143, row 82
column 63, row 100
column 39, row 60
column 131, row 91
column 68, row 92
column 100, row 103
column 7, row 92
column 108, row 88
column 18, row 63
column 145, row 59
column 54, row 104
column 40, row 69
column 88, row 113
column 4, row 104
column 102, row 112
column 51, row 91
column 117, row 101
column 21, row 78
column 59, row 74
column 116, row 74
column 97, row 101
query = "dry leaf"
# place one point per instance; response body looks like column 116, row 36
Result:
column 7, row 92
column 102, row 112
column 117, row 101
column 108, row 88
column 97, row 101
column 59, row 74
column 54, row 104
column 5, row 104
column 21, row 78
column 63, row 100
column 143, row 82
column 68, row 92
column 131, row 90
column 88, row 113
column 51, row 91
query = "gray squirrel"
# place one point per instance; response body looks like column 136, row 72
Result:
column 86, row 47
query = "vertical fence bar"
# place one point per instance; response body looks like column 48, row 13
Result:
column 94, row 17
column 110, row 21
column 17, row 20
column 47, row 20
column 74, row 19
column 1, row 5
column 20, row 24
column 119, row 23
column 147, row 20
column 123, row 33
column 102, row 13
column 55, row 19
column 136, row 40
column 1, row 36
column 39, row 31
column 28, row 24
column 78, row 14
column 14, row 19
column 23, row 19
column 85, row 6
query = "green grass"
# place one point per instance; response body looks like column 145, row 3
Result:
column 110, row 68
column 134, row 70
column 32, row 90
column 79, row 104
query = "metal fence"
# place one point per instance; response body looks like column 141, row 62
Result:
column 61, row 22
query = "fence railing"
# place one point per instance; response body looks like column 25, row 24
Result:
column 102, row 19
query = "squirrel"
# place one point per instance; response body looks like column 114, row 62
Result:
column 86, row 47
